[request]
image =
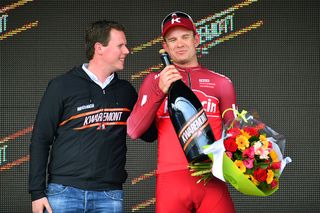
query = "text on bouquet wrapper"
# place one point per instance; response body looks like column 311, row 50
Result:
column 3, row 154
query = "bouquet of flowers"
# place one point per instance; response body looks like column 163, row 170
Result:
column 249, row 156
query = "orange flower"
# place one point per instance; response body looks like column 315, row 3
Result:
column 240, row 165
column 254, row 180
column 274, row 156
column 270, row 176
column 242, row 142
column 262, row 138
column 245, row 134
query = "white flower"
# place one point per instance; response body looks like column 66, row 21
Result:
column 260, row 150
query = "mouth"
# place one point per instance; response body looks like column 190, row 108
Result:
column 181, row 52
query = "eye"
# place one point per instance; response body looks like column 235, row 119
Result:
column 186, row 36
column 171, row 40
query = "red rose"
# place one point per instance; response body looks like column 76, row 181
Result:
column 252, row 131
column 274, row 184
column 276, row 165
column 260, row 126
column 234, row 132
column 260, row 174
column 230, row 144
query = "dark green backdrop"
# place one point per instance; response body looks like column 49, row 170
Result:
column 270, row 50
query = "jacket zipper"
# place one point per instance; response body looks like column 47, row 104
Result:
column 189, row 79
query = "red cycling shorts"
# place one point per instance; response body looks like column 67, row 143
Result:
column 178, row 192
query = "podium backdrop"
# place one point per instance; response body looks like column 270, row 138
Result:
column 268, row 48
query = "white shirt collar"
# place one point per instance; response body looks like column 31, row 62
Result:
column 95, row 79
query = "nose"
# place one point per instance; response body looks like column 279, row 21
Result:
column 180, row 43
column 125, row 50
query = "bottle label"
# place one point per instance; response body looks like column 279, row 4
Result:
column 192, row 128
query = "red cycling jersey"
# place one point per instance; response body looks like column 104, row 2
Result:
column 215, row 92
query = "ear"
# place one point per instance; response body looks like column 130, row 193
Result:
column 164, row 45
column 98, row 48
column 196, row 40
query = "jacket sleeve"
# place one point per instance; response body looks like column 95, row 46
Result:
column 142, row 118
column 227, row 99
column 43, row 134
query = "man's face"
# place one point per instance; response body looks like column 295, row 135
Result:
column 181, row 45
column 115, row 52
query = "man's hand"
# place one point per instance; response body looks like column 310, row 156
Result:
column 39, row 205
column 167, row 76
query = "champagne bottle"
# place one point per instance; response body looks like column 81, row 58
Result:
column 188, row 118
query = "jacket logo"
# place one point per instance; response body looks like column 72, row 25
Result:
column 100, row 118
column 88, row 106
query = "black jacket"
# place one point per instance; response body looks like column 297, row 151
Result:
column 85, row 127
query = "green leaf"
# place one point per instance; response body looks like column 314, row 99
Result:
column 253, row 139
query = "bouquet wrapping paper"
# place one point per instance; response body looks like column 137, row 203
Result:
column 249, row 156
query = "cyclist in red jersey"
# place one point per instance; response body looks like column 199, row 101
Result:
column 176, row 189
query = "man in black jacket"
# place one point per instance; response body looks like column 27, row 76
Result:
column 81, row 122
